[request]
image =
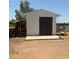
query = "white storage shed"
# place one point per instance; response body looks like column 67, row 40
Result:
column 41, row 22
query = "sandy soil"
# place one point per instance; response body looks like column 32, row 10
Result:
column 38, row 49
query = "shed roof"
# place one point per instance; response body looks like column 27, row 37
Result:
column 11, row 27
column 43, row 10
column 16, row 21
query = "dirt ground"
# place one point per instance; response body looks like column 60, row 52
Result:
column 38, row 49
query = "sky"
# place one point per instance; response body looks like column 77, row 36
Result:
column 60, row 7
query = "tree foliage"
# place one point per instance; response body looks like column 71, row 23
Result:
column 24, row 8
column 18, row 15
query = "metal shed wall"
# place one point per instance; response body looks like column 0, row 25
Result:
column 33, row 21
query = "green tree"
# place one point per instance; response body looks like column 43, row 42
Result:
column 18, row 15
column 24, row 8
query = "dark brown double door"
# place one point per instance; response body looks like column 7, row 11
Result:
column 45, row 25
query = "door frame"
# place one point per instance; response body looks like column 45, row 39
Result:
column 50, row 25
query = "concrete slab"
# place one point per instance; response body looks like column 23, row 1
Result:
column 42, row 37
